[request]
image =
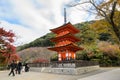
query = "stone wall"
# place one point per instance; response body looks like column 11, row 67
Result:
column 70, row 71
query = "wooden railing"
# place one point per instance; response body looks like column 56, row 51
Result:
column 39, row 64
column 73, row 64
column 65, row 64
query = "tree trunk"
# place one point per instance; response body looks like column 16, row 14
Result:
column 116, row 31
column 114, row 26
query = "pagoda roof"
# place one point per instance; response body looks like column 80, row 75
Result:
column 66, row 36
column 70, row 46
column 67, row 26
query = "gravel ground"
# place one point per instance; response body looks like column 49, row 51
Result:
column 48, row 76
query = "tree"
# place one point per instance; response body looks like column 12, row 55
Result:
column 106, row 9
column 87, row 34
column 6, row 44
column 104, row 31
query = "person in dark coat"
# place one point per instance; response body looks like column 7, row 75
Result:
column 19, row 67
column 12, row 68
column 26, row 67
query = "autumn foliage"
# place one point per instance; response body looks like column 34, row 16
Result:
column 111, row 50
column 7, row 49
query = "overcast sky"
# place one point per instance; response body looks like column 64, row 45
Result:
column 31, row 19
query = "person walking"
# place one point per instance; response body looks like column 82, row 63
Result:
column 12, row 68
column 19, row 67
column 16, row 69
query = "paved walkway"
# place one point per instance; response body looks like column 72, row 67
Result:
column 103, row 72
column 110, row 75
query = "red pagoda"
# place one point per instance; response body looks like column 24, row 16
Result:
column 65, row 42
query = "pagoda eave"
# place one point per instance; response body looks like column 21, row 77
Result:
column 70, row 47
column 68, row 25
column 67, row 36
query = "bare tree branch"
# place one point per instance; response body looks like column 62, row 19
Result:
column 105, row 9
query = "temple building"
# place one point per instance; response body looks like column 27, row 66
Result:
column 65, row 42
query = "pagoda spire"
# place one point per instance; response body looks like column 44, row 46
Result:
column 65, row 20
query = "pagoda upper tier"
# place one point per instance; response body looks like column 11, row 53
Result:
column 65, row 29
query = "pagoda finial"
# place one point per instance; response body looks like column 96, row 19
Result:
column 65, row 16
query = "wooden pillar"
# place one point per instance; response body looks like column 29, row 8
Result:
column 59, row 56
column 67, row 54
column 73, row 55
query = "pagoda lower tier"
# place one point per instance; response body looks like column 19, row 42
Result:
column 66, row 52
